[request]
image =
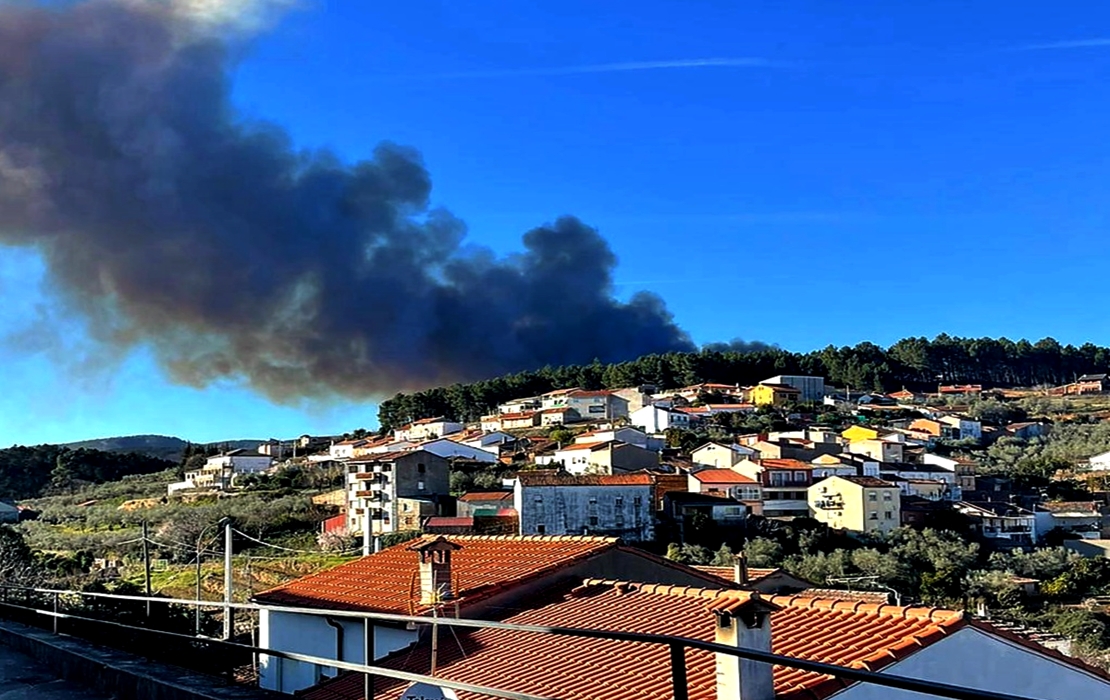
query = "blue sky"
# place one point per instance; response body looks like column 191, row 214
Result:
column 801, row 173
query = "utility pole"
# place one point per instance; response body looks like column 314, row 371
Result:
column 146, row 568
column 197, row 610
column 229, row 621
column 435, row 636
column 366, row 537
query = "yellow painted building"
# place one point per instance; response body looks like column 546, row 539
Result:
column 856, row 503
column 858, row 432
column 773, row 394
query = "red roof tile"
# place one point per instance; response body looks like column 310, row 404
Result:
column 547, row 477
column 384, row 582
column 486, row 496
column 576, row 668
column 722, row 476
column 586, row 445
column 785, row 464
column 523, row 415
column 447, row 521
column 728, row 573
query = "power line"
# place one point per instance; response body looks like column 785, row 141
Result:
column 290, row 549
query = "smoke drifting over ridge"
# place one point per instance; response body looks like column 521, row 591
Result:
column 168, row 221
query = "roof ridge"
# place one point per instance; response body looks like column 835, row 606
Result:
column 801, row 600
column 668, row 589
column 543, row 538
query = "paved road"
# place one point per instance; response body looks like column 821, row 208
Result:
column 23, row 679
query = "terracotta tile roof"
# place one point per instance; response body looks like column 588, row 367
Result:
column 551, row 478
column 486, row 496
column 449, row 521
column 782, row 387
column 382, row 456
column 870, row 482
column 722, row 476
column 837, row 594
column 727, row 572
column 586, row 445
column 785, row 464
column 575, row 669
column 583, row 394
column 384, row 582
column 523, row 415
column 1091, row 507
column 560, row 392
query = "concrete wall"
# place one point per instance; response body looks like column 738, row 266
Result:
column 978, row 660
column 567, row 510
column 309, row 634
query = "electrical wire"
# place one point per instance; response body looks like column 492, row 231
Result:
column 290, row 549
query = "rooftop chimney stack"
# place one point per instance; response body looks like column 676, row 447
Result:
column 435, row 570
column 740, row 568
column 743, row 621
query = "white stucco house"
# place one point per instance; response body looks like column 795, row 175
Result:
column 427, row 429
column 723, row 455
column 221, row 471
column 656, row 419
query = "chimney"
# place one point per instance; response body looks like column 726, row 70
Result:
column 740, row 568
column 435, row 570
column 743, row 621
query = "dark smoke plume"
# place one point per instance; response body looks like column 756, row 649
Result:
column 168, row 220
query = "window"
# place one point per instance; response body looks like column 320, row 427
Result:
column 886, row 495
column 873, row 516
column 541, row 529
column 889, row 515
column 593, row 521
column 420, row 486
column 593, row 500
column 637, row 501
column 619, row 502
column 800, row 476
column 872, row 496
column 407, row 506
column 539, row 500
column 420, row 468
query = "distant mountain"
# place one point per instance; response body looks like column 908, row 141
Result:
column 161, row 446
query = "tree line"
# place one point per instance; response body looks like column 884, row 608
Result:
column 914, row 363
column 29, row 472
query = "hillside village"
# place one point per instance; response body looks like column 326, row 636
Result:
column 827, row 513
column 629, row 463
column 602, row 482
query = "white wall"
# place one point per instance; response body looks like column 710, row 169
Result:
column 311, row 634
column 449, row 448
column 975, row 659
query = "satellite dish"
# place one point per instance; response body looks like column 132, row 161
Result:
column 426, row 691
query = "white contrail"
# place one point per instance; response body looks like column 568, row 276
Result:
column 743, row 62
column 1064, row 45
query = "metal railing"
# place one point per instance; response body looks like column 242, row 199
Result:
column 51, row 601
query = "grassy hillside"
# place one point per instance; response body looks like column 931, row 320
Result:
column 160, row 446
